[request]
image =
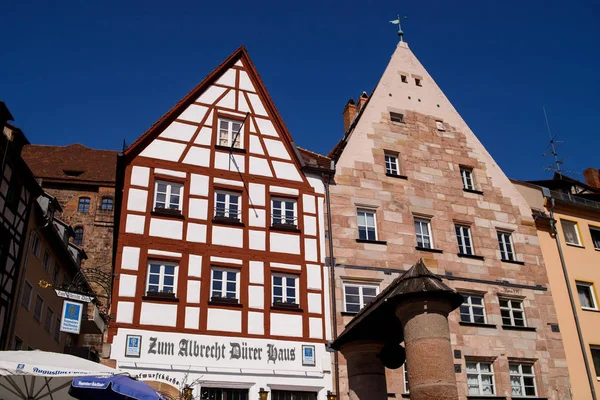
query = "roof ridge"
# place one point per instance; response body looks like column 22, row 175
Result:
column 69, row 145
column 313, row 152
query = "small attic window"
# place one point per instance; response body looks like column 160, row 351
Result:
column 72, row 172
column 404, row 78
column 439, row 125
column 396, row 117
column 418, row 81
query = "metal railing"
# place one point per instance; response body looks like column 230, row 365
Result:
column 568, row 197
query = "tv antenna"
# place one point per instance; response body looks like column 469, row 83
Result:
column 553, row 151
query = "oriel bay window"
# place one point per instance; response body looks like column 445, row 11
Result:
column 168, row 195
column 162, row 279
column 228, row 205
column 225, row 285
column 284, row 212
column 285, row 290
column 358, row 295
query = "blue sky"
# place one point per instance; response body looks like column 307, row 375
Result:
column 100, row 72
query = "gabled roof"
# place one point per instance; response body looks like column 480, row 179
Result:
column 240, row 54
column 561, row 181
column 73, row 163
column 316, row 160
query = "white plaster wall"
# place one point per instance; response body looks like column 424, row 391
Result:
column 283, row 190
column 310, row 225
column 256, row 296
column 222, row 161
column 286, row 325
column 242, row 103
column 314, row 303
column 321, row 215
column 125, row 312
column 295, row 267
column 140, row 176
column 315, row 328
column 135, row 224
column 228, row 101
column 192, row 317
column 204, row 136
column 226, row 260
column 163, row 253
column 228, row 78
column 137, row 200
column 287, row 171
column 313, row 273
column 195, row 266
column 257, row 217
column 196, row 233
column 256, row 323
column 284, row 243
column 257, row 271
column 170, row 172
column 257, row 240
column 308, row 203
column 158, row 314
column 255, row 145
column 228, row 182
column 224, row 236
column 198, row 156
column 327, row 298
column 193, row 291
column 131, row 258
column 224, row 320
column 245, row 83
column 198, row 208
column 127, row 285
column 199, row 185
column 276, row 149
column 257, row 105
column 163, row 150
column 194, row 113
column 257, row 192
column 316, row 183
column 166, row 228
column 266, row 127
column 179, row 131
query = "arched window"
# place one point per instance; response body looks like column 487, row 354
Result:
column 84, row 204
column 78, row 238
column 107, row 204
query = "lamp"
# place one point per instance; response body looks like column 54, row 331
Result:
column 187, row 392
column 263, row 394
column 331, row 396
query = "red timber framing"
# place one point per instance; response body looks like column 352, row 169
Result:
column 182, row 147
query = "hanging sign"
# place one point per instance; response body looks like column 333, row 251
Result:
column 71, row 317
column 74, row 296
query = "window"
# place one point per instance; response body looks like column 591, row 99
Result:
column 285, row 289
column 423, row 230
column 35, row 244
column 26, row 298
column 480, row 378
column 57, row 329
column 439, row 125
column 472, row 309
column 37, row 311
column 512, row 312
column 107, row 204
column 358, row 295
column 595, row 233
column 56, row 274
column 13, row 192
column 463, row 236
column 367, row 225
column 18, row 343
column 396, row 117
column 506, row 247
column 46, row 260
column 596, row 358
column 418, row 81
column 168, row 195
column 288, row 395
column 228, row 205
column 522, row 379
column 467, row 178
column 78, row 238
column 224, row 394
column 571, row 232
column 49, row 318
column 586, row 294
column 224, row 283
column 162, row 278
column 283, row 211
column 406, row 387
column 230, row 130
column 403, row 79
column 84, row 205
column 391, row 164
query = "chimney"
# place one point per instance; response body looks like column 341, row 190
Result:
column 362, row 100
column 592, row 177
column 349, row 114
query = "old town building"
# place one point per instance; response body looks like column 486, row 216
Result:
column 567, row 215
column 18, row 189
column 413, row 181
column 220, row 281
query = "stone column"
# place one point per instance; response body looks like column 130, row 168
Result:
column 428, row 350
column 366, row 373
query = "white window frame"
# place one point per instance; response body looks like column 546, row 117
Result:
column 28, row 306
column 227, row 213
column 466, row 175
column 596, row 364
column 502, row 244
column 392, row 165
column 460, row 238
column 590, row 287
column 367, row 226
column 468, row 302
column 35, row 244
column 511, row 311
column 521, row 376
column 479, row 373
column 575, row 225
column 296, row 279
column 424, row 221
column 161, row 274
column 361, row 297
column 168, row 194
column 284, row 220
column 230, row 132
column 224, row 282
column 597, row 230
column 406, row 383
column 41, row 308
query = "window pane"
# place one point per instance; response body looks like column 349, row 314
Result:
column 217, row 274
column 483, row 367
column 476, row 300
column 352, row 290
column 369, row 291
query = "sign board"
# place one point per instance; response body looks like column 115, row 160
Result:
column 133, row 347
column 70, row 321
column 308, row 356
column 74, row 296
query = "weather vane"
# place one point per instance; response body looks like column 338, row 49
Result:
column 397, row 22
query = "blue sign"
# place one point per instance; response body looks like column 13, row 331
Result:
column 308, row 356
column 71, row 317
column 134, row 346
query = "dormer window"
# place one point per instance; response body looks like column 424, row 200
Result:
column 230, row 133
column 396, row 117
column 72, row 172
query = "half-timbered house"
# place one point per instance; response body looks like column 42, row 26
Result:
column 220, row 281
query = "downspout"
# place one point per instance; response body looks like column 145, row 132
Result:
column 336, row 357
column 570, row 291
